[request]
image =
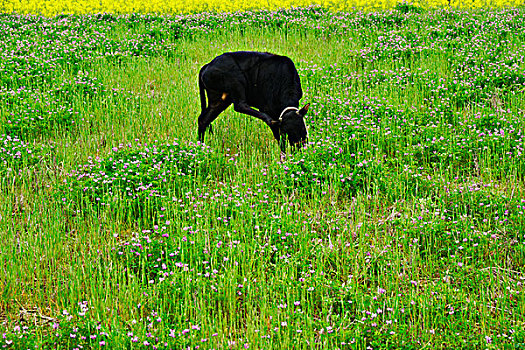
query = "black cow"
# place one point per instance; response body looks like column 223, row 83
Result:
column 262, row 80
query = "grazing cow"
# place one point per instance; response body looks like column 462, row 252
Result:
column 262, row 80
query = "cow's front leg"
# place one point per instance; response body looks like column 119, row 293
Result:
column 276, row 130
column 281, row 139
column 243, row 107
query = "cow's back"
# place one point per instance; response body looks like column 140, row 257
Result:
column 231, row 69
column 243, row 60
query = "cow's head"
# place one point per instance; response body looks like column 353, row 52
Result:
column 292, row 124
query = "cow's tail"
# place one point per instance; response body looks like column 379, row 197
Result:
column 201, row 89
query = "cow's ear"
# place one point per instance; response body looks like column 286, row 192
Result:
column 303, row 110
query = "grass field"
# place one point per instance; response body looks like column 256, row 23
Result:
column 400, row 226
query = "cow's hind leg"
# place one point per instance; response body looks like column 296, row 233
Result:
column 202, row 125
column 216, row 107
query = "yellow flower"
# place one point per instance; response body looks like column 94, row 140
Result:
column 54, row 7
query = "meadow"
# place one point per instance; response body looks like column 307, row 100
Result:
column 399, row 226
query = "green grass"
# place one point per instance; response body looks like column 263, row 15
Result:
column 399, row 226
